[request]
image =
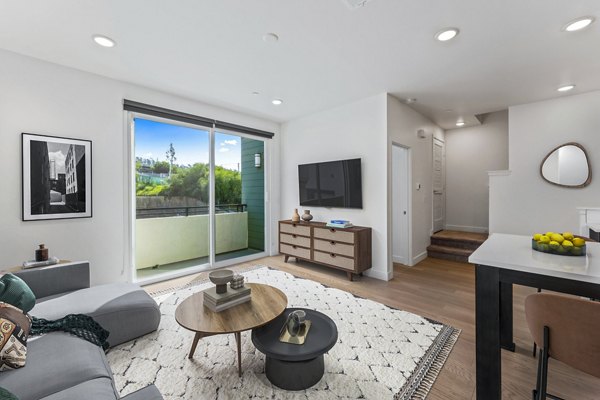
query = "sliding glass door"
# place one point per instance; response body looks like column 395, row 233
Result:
column 239, row 196
column 199, row 198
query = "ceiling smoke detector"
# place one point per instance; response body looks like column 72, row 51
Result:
column 354, row 4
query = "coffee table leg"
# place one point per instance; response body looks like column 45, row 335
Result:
column 197, row 337
column 238, row 339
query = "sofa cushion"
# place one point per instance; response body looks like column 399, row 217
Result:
column 147, row 393
column 123, row 309
column 56, row 362
column 94, row 389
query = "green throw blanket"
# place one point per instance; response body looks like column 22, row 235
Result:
column 79, row 325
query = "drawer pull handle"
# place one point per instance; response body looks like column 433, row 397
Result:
column 294, row 247
column 332, row 243
column 332, row 230
column 332, row 255
column 294, row 225
column 294, row 236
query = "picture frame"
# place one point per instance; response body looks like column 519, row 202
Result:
column 56, row 177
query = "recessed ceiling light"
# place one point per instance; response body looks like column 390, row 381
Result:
column 566, row 88
column 446, row 34
column 104, row 41
column 448, row 110
column 255, row 93
column 411, row 100
column 277, row 102
column 578, row 24
column 460, row 123
column 270, row 37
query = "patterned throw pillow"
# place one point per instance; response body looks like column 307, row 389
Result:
column 14, row 329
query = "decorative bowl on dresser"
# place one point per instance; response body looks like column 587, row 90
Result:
column 348, row 249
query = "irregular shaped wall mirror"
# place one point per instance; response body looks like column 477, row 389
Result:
column 567, row 166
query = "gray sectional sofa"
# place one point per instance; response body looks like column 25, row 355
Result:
column 61, row 366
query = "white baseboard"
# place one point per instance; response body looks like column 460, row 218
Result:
column 399, row 260
column 381, row 275
column 466, row 228
column 420, row 257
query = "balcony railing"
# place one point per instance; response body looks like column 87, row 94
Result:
column 163, row 212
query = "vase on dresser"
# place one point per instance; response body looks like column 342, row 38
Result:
column 295, row 216
column 307, row 217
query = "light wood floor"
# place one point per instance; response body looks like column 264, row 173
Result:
column 445, row 291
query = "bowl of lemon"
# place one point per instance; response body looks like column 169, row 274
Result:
column 564, row 244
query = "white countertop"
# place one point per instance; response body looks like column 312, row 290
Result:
column 514, row 252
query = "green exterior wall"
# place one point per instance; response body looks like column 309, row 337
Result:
column 253, row 192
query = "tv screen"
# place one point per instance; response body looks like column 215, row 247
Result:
column 331, row 184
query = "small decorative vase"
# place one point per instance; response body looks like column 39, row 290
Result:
column 294, row 322
column 296, row 216
column 41, row 254
column 307, row 216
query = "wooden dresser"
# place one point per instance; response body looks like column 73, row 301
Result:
column 348, row 249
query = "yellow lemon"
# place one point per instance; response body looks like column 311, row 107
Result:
column 578, row 242
column 537, row 237
column 554, row 245
column 567, row 244
column 544, row 239
column 568, row 235
column 557, row 237
column 549, row 233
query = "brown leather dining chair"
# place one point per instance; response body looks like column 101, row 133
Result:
column 587, row 239
column 566, row 329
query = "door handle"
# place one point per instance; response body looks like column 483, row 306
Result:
column 404, row 212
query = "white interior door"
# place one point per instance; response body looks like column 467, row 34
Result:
column 400, row 205
column 439, row 185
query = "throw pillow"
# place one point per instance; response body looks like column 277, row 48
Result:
column 14, row 329
column 14, row 291
column 6, row 395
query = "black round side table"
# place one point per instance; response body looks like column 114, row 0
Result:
column 292, row 366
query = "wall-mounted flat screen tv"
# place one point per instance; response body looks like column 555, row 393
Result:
column 331, row 184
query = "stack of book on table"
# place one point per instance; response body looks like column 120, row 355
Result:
column 339, row 223
column 222, row 301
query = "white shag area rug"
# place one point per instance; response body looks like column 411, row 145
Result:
column 381, row 353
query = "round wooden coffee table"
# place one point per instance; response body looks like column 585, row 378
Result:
column 267, row 304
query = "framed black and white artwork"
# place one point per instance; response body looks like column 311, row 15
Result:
column 57, row 177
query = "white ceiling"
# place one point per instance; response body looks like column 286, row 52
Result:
column 508, row 52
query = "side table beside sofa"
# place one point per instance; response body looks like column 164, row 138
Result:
column 61, row 366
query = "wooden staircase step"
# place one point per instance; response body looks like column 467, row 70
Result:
column 449, row 253
column 458, row 243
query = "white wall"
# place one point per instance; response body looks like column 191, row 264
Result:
column 44, row 98
column 402, row 126
column 470, row 153
column 522, row 202
column 356, row 130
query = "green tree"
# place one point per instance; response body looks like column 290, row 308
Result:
column 190, row 182
column 228, row 186
column 161, row 167
column 171, row 157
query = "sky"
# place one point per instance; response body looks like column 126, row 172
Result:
column 152, row 140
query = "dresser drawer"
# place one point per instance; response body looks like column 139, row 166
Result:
column 295, row 229
column 295, row 240
column 294, row 251
column 334, row 234
column 333, row 259
column 331, row 246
